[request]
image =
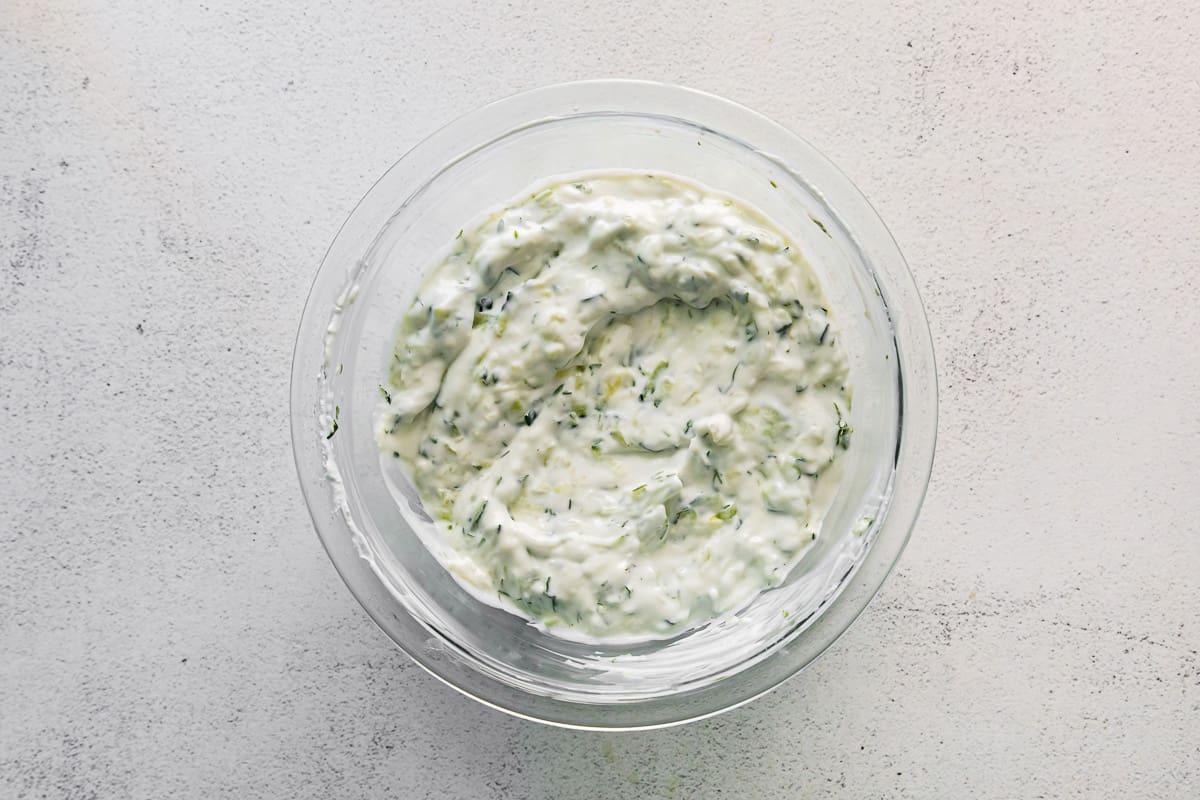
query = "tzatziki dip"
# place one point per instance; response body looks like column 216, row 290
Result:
column 623, row 401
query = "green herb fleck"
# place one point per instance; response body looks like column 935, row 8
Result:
column 683, row 513
column 478, row 515
column 732, row 378
column 727, row 513
column 386, row 395
column 337, row 412
column 842, row 439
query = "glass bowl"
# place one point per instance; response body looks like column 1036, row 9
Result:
column 366, row 513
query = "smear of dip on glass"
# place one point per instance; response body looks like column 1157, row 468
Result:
column 623, row 400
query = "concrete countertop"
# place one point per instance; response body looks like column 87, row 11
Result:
column 170, row 176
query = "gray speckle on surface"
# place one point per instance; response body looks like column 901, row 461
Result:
column 169, row 180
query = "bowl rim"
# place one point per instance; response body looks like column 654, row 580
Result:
column 918, row 392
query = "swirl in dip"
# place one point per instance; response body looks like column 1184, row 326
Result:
column 622, row 399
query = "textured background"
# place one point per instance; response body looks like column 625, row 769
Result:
column 170, row 175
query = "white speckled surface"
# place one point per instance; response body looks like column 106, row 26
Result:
column 170, row 176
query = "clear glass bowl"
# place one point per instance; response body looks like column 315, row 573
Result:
column 362, row 507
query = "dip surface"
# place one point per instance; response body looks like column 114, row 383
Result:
column 623, row 401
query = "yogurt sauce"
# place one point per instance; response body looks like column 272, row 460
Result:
column 622, row 399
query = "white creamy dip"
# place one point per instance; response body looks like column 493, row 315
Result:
column 622, row 399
